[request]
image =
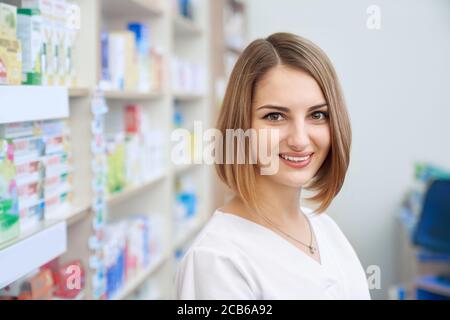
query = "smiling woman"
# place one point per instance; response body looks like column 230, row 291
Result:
column 263, row 244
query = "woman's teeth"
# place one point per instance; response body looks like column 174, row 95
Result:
column 295, row 159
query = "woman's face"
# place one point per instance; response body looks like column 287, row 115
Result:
column 292, row 102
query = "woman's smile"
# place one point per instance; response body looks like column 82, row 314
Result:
column 298, row 162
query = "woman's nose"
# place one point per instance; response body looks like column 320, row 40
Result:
column 298, row 137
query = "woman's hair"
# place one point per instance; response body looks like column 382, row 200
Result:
column 236, row 113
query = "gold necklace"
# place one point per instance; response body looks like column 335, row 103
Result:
column 310, row 246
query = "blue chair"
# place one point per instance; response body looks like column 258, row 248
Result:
column 432, row 231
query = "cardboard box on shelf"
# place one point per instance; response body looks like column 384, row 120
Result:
column 45, row 6
column 60, row 32
column 133, row 119
column 57, row 206
column 8, row 20
column 123, row 60
column 27, row 148
column 48, row 38
column 10, row 61
column 31, row 216
column 9, row 218
column 17, row 130
column 29, row 32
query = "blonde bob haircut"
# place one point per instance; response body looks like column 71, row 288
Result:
column 236, row 113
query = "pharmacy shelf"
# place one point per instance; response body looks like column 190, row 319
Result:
column 131, row 8
column 32, row 238
column 181, row 169
column 185, row 27
column 134, row 283
column 79, row 92
column 133, row 95
column 69, row 235
column 77, row 214
column 130, row 192
column 47, row 103
column 33, row 248
column 187, row 97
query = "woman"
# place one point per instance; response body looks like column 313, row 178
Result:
column 264, row 244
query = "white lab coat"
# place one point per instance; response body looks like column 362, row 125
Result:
column 235, row 258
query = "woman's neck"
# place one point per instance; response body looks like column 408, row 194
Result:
column 282, row 202
column 279, row 203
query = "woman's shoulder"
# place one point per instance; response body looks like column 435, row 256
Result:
column 213, row 267
column 331, row 230
column 221, row 234
column 230, row 235
column 325, row 220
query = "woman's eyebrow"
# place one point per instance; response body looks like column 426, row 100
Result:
column 269, row 106
column 284, row 109
column 318, row 106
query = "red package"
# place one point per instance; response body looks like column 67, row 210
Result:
column 69, row 279
column 133, row 119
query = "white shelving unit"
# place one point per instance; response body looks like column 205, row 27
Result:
column 225, row 53
column 69, row 237
column 48, row 239
column 32, row 249
column 137, row 281
column 46, row 102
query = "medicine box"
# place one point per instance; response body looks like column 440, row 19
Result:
column 10, row 61
column 8, row 20
column 29, row 32
column 17, row 130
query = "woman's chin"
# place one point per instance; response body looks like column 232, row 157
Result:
column 292, row 182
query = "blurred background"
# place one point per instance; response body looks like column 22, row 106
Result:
column 96, row 203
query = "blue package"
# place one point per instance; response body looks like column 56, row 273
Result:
column 142, row 36
column 105, row 53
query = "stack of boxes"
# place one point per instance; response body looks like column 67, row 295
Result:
column 145, row 148
column 129, row 60
column 9, row 219
column 29, row 32
column 123, row 60
column 57, row 39
column 188, row 77
column 37, row 43
column 129, row 248
column 10, row 47
column 28, row 151
column 136, row 155
column 36, row 173
column 58, row 170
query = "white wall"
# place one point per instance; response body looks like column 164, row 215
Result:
column 397, row 85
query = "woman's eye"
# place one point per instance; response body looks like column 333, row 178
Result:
column 319, row 115
column 274, row 117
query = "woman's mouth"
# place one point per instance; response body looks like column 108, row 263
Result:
column 296, row 162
